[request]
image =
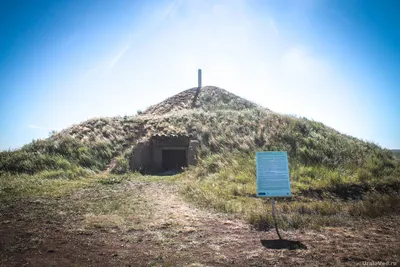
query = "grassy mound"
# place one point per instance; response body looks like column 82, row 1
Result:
column 66, row 154
column 210, row 98
column 334, row 176
column 323, row 194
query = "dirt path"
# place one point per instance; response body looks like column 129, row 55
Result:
column 153, row 226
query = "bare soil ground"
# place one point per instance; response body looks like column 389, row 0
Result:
column 138, row 223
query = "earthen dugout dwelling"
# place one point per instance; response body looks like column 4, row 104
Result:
column 164, row 153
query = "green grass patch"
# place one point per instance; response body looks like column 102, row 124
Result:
column 375, row 205
column 46, row 184
column 322, row 195
column 65, row 153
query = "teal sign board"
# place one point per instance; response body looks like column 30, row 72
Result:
column 272, row 174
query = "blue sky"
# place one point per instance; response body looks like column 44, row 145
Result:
column 62, row 62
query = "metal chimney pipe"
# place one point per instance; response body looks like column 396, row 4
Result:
column 199, row 78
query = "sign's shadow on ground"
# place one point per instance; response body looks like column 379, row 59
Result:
column 283, row 244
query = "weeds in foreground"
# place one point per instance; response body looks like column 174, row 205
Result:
column 104, row 201
column 322, row 196
column 46, row 184
column 375, row 205
column 52, row 184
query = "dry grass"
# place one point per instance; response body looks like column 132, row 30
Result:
column 26, row 186
column 221, row 122
column 115, row 220
column 324, row 164
column 321, row 196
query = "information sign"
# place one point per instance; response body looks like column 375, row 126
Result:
column 272, row 174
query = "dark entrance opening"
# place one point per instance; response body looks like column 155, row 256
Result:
column 173, row 159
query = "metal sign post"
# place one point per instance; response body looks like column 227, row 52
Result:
column 273, row 215
column 273, row 177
